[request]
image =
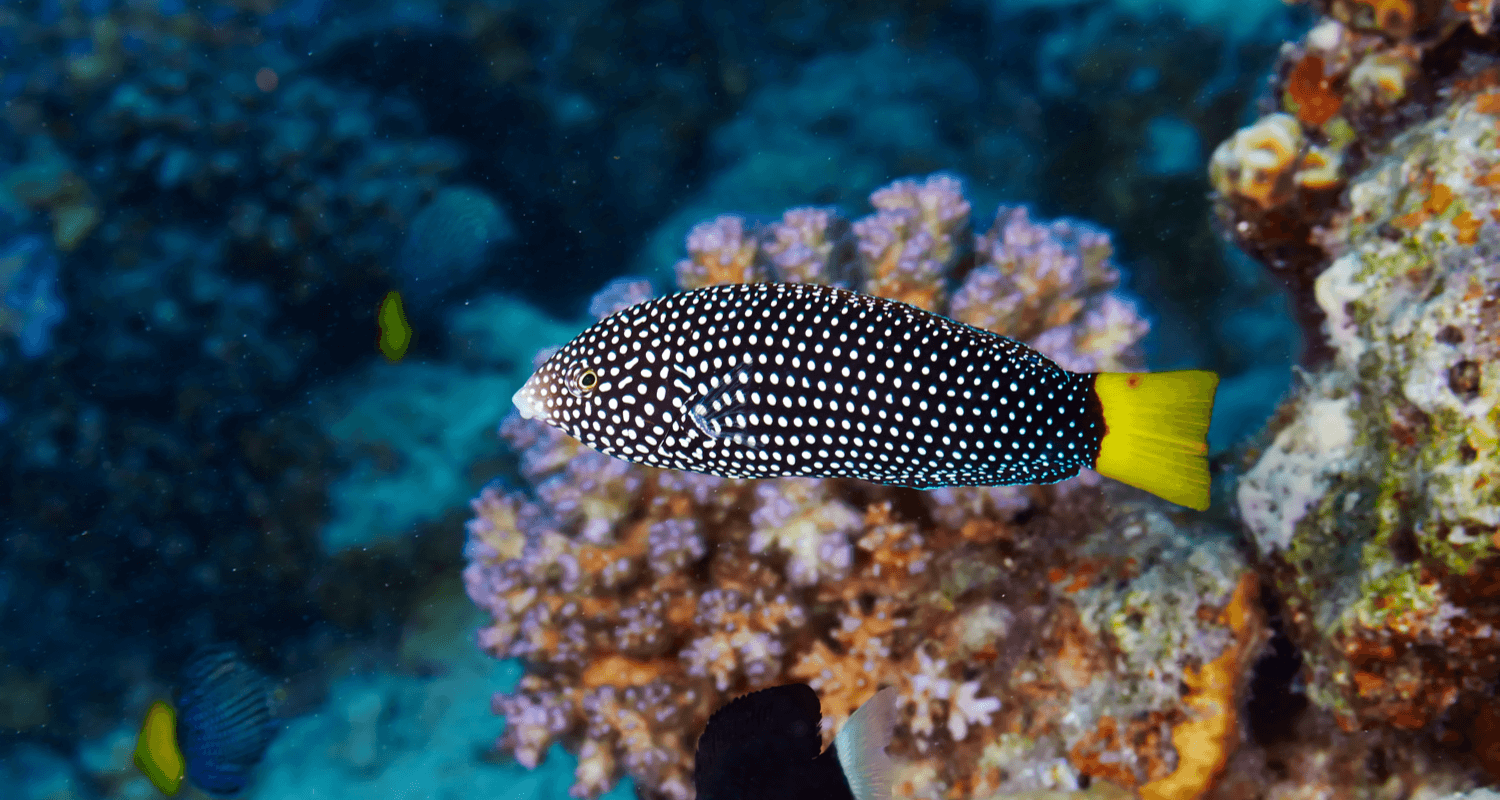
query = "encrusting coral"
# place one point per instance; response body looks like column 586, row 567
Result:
column 1039, row 636
column 1365, row 72
column 1374, row 501
column 1377, row 502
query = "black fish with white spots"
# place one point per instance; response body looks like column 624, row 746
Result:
column 764, row 746
column 770, row 380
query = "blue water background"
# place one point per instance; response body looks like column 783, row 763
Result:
column 202, row 205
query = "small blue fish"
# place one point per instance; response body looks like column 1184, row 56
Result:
column 764, row 746
column 450, row 239
column 217, row 731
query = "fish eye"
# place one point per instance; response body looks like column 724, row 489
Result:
column 588, row 380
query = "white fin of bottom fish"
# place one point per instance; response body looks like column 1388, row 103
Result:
column 861, row 747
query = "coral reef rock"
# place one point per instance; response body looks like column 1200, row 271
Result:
column 1041, row 638
column 1376, row 499
column 1366, row 72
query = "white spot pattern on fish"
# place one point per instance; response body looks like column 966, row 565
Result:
column 770, row 380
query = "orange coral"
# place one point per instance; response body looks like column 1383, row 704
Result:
column 1382, row 79
column 1094, row 754
column 1481, row 13
column 1438, row 201
column 1468, row 228
column 1086, row 754
column 1311, row 92
column 1320, row 170
column 617, row 670
column 1205, row 742
column 1394, row 18
column 1258, row 163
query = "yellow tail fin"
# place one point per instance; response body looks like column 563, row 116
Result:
column 1157, row 432
column 156, row 752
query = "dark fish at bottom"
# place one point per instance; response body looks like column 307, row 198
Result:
column 764, row 746
column 770, row 380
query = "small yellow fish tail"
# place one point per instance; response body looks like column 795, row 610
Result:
column 395, row 331
column 1156, row 432
column 156, row 753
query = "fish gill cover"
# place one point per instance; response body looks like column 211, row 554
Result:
column 1017, row 623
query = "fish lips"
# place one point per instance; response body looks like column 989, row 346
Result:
column 528, row 403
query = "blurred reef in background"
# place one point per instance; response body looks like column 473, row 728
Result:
column 202, row 206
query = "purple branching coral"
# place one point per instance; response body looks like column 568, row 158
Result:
column 1048, row 285
column 642, row 599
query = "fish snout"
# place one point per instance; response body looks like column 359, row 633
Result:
column 529, row 403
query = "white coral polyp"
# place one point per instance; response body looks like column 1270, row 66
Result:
column 968, row 708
